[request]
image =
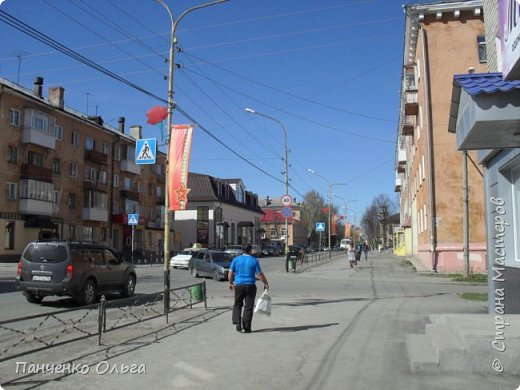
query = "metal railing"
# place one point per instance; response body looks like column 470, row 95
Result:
column 29, row 334
column 309, row 260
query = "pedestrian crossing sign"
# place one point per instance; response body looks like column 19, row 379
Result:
column 133, row 219
column 320, row 226
column 146, row 151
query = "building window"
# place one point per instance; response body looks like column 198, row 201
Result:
column 150, row 189
column 89, row 143
column 39, row 190
column 59, row 132
column 56, row 198
column 116, row 180
column 14, row 117
column 115, row 207
column 72, row 200
column 159, row 192
column 273, row 232
column 10, row 191
column 88, row 233
column 127, row 184
column 90, row 174
column 139, row 186
column 35, row 158
column 105, row 149
column 72, row 232
column 284, row 233
column 75, row 138
column 103, row 234
column 12, row 154
column 103, row 177
column 481, row 43
column 9, row 235
column 56, row 166
column 117, row 153
column 74, row 169
column 95, row 199
column 129, row 153
column 203, row 224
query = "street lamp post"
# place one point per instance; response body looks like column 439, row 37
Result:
column 329, row 196
column 173, row 42
column 251, row 111
column 346, row 202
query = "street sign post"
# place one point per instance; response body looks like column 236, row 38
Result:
column 133, row 219
column 287, row 200
column 320, row 227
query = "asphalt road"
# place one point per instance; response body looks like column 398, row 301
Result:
column 332, row 327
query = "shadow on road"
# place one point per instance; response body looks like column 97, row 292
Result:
column 295, row 328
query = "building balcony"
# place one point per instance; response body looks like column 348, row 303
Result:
column 129, row 194
column 38, row 137
column 95, row 156
column 397, row 184
column 408, row 125
column 130, row 167
column 95, row 186
column 35, row 206
column 401, row 156
column 411, row 102
column 36, row 172
column 95, row 214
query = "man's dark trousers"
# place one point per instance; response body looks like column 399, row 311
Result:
column 244, row 296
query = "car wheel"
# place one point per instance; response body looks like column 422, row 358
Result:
column 129, row 287
column 88, row 293
column 216, row 276
column 194, row 273
column 32, row 298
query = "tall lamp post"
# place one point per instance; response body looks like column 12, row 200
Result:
column 251, row 111
column 329, row 196
column 173, row 42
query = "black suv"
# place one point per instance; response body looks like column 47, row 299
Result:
column 76, row 269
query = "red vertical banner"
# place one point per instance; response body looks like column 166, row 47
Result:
column 178, row 165
column 334, row 227
column 347, row 230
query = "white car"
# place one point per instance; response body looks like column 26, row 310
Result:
column 182, row 259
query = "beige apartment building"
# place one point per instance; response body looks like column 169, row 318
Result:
column 441, row 40
column 70, row 176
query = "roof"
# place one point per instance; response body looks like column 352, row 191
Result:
column 476, row 83
column 274, row 216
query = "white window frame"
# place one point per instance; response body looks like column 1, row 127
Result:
column 116, row 180
column 75, row 138
column 11, row 191
column 14, row 117
column 74, row 169
column 58, row 130
column 117, row 153
column 105, row 149
column 89, row 143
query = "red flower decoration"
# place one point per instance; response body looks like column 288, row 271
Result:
column 156, row 115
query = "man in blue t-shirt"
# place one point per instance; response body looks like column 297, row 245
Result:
column 243, row 273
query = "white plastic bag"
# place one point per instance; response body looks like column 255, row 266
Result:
column 263, row 304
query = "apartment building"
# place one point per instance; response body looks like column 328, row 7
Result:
column 71, row 176
column 441, row 39
column 273, row 223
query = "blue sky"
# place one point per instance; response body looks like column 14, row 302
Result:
column 328, row 69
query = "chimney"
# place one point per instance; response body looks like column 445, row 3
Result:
column 135, row 131
column 121, row 121
column 56, row 95
column 38, row 83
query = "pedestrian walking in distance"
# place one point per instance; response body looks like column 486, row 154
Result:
column 365, row 249
column 244, row 272
column 351, row 255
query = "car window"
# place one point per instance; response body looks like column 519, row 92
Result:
column 110, row 257
column 200, row 255
column 46, row 253
column 97, row 257
column 222, row 257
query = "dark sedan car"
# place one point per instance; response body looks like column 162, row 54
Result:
column 211, row 263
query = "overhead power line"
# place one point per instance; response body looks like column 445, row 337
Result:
column 32, row 32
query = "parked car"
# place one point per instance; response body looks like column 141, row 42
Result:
column 211, row 263
column 235, row 250
column 272, row 250
column 76, row 269
column 256, row 251
column 182, row 259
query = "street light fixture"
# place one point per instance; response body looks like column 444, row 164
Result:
column 251, row 111
column 173, row 42
column 329, row 196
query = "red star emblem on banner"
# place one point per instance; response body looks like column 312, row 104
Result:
column 182, row 193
